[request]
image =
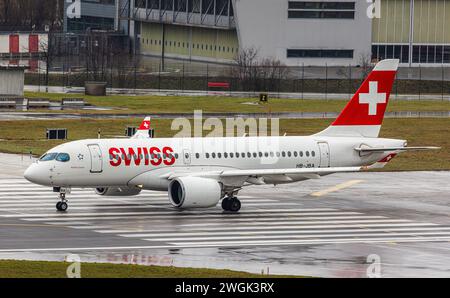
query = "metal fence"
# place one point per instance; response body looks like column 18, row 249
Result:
column 152, row 73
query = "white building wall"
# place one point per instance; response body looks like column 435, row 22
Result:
column 24, row 43
column 11, row 82
column 264, row 24
column 4, row 43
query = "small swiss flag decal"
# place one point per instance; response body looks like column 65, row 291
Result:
column 145, row 125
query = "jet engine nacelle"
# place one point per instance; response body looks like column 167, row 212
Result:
column 117, row 191
column 194, row 192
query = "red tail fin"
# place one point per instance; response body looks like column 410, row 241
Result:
column 364, row 113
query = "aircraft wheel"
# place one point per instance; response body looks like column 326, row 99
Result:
column 231, row 204
column 226, row 204
column 235, row 205
column 62, row 206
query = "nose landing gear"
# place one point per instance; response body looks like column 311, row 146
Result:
column 231, row 204
column 62, row 204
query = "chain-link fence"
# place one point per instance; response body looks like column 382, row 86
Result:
column 140, row 72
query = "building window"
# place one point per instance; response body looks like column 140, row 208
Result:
column 310, row 53
column 321, row 10
column 401, row 52
column 431, row 54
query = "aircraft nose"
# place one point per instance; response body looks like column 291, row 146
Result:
column 35, row 175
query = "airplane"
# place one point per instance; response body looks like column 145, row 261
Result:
column 200, row 172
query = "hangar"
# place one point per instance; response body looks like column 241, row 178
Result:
column 294, row 32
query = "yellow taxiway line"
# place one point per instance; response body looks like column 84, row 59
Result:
column 336, row 188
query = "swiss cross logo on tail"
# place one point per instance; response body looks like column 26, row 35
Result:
column 145, row 125
column 373, row 98
column 367, row 106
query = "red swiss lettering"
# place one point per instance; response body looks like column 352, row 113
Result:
column 114, row 156
column 169, row 159
column 155, row 153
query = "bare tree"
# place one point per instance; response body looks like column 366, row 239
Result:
column 30, row 14
column 96, row 55
column 48, row 53
column 365, row 63
column 255, row 73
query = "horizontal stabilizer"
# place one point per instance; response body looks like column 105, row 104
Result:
column 387, row 149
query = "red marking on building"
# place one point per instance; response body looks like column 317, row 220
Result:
column 14, row 44
column 33, row 43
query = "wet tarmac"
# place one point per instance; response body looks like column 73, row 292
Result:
column 331, row 227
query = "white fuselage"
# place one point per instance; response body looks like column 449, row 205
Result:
column 102, row 163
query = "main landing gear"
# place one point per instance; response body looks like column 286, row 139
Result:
column 231, row 204
column 62, row 204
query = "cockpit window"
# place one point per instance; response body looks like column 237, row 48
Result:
column 63, row 157
column 48, row 156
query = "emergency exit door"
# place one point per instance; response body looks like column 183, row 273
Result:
column 96, row 158
column 324, row 149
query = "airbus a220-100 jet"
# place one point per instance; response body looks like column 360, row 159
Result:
column 199, row 172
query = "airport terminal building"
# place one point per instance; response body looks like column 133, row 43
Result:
column 294, row 32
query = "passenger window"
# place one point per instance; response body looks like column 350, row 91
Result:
column 237, row 154
column 219, row 155
column 266, row 154
column 197, row 155
column 249, row 154
column 289, row 153
column 301, row 153
column 255, row 155
column 63, row 157
column 278, row 154
column 207, row 155
column 295, row 153
column 231, row 155
column 213, row 155
column 271, row 154
column 307, row 153
column 225, row 155
column 313, row 153
column 283, row 154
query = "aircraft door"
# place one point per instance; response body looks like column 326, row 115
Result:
column 187, row 157
column 324, row 149
column 96, row 158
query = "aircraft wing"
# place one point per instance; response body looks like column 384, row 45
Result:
column 307, row 173
column 382, row 149
column 271, row 172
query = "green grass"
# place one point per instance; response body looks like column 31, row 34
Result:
column 222, row 104
column 39, row 269
column 19, row 137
